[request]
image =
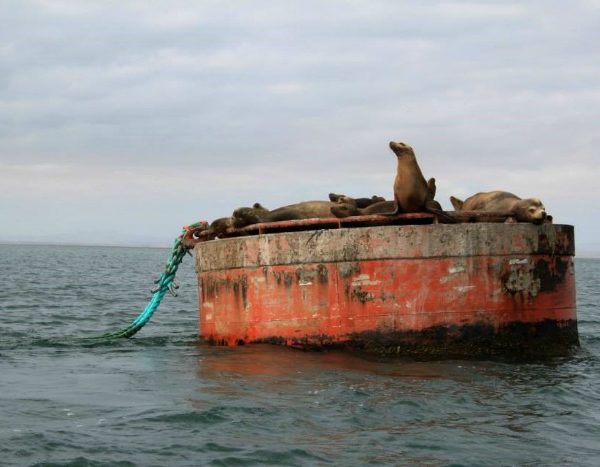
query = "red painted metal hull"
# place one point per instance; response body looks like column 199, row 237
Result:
column 447, row 290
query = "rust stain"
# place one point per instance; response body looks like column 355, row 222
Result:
column 239, row 286
column 550, row 274
column 362, row 295
column 348, row 269
column 392, row 279
column 363, row 279
column 532, row 277
column 322, row 274
column 521, row 280
column 284, row 277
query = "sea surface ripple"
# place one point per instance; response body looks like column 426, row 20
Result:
column 162, row 398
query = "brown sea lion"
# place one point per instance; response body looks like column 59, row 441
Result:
column 348, row 209
column 219, row 226
column 412, row 193
column 411, row 190
column 357, row 202
column 524, row 210
column 434, row 207
column 305, row 210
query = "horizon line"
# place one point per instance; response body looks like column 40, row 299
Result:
column 59, row 243
column 586, row 254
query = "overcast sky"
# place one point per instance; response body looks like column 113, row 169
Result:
column 121, row 121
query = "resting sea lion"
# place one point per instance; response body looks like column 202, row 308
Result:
column 305, row 210
column 348, row 209
column 219, row 226
column 357, row 202
column 524, row 210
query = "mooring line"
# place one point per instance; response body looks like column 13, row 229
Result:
column 165, row 283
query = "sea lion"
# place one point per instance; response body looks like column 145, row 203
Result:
column 412, row 193
column 434, row 207
column 219, row 226
column 348, row 209
column 357, row 202
column 304, row 210
column 411, row 190
column 524, row 210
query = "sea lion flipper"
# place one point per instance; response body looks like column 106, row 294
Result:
column 431, row 187
column 441, row 214
column 397, row 210
column 457, row 204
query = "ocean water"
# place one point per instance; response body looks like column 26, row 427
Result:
column 163, row 399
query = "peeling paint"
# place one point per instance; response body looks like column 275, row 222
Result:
column 456, row 269
column 521, row 280
column 518, row 261
column 453, row 270
column 464, row 288
column 363, row 279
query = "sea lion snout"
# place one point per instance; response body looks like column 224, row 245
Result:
column 400, row 149
column 538, row 212
column 536, row 209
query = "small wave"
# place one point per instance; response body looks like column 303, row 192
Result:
column 211, row 416
column 20, row 341
column 207, row 417
column 291, row 457
column 84, row 462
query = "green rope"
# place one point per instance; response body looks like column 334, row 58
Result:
column 165, row 284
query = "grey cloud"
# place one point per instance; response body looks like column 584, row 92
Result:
column 265, row 94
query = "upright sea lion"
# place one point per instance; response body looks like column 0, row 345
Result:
column 357, row 202
column 411, row 190
column 305, row 210
column 412, row 193
column 524, row 210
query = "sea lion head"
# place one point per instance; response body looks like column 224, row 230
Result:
column 402, row 149
column 343, row 199
column 355, row 202
column 219, row 226
column 247, row 216
column 531, row 210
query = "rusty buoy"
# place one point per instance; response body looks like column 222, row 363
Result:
column 460, row 290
